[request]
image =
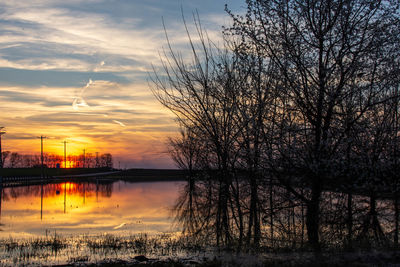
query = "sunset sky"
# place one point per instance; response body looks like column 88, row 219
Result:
column 79, row 69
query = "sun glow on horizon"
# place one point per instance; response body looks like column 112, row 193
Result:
column 87, row 82
column 69, row 164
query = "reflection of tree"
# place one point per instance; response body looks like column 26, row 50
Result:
column 193, row 209
column 49, row 190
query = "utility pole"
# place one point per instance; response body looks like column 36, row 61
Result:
column 65, row 197
column 1, row 153
column 41, row 153
column 65, row 154
column 84, row 151
column 41, row 188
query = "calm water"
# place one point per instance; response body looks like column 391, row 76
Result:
column 88, row 208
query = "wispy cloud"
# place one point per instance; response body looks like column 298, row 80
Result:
column 120, row 123
column 83, row 33
column 77, row 69
column 94, row 37
column 78, row 100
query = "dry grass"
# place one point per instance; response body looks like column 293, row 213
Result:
column 165, row 250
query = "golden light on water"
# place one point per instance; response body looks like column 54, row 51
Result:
column 70, row 187
column 88, row 208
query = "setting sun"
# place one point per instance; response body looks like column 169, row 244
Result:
column 70, row 164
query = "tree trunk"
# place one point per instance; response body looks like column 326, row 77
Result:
column 396, row 221
column 312, row 217
column 240, row 215
column 349, row 220
column 251, row 215
column 225, row 216
column 271, row 211
column 256, row 216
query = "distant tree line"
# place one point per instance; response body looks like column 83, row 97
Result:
column 290, row 130
column 89, row 160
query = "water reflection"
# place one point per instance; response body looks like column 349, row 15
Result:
column 87, row 208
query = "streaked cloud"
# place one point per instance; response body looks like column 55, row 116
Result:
column 119, row 123
column 78, row 69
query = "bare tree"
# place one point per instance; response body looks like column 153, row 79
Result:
column 327, row 52
column 202, row 95
column 15, row 160
column 4, row 156
column 106, row 160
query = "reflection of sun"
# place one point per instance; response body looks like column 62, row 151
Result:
column 68, row 186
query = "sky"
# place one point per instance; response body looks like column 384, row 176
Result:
column 78, row 70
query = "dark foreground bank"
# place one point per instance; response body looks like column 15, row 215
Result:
column 170, row 250
column 52, row 172
column 26, row 176
column 361, row 258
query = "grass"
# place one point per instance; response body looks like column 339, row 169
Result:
column 164, row 250
column 105, row 249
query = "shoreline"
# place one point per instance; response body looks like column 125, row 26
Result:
column 21, row 177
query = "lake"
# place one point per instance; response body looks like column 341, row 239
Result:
column 90, row 208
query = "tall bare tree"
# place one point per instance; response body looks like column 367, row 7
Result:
column 202, row 95
column 327, row 52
